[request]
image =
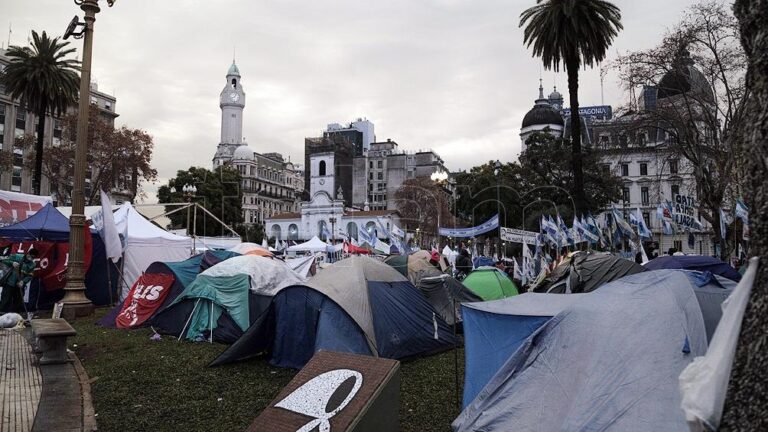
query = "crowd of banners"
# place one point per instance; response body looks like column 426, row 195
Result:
column 489, row 225
column 397, row 240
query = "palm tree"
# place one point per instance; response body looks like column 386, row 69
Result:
column 571, row 33
column 45, row 82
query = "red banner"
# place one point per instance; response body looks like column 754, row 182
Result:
column 52, row 259
column 15, row 207
column 146, row 295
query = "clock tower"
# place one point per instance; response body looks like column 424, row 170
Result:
column 231, row 102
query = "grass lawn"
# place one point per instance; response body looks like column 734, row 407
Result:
column 144, row 385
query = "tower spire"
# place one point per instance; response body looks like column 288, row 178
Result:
column 541, row 89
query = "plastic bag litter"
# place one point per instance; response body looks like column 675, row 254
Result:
column 704, row 382
column 10, row 320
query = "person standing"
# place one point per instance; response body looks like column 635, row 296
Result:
column 21, row 272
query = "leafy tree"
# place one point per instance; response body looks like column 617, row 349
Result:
column 45, row 81
column 747, row 397
column 253, row 233
column 537, row 177
column 117, row 158
column 419, row 201
column 574, row 33
column 698, row 70
column 218, row 192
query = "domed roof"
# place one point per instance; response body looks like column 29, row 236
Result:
column 233, row 70
column 542, row 114
column 555, row 95
column 685, row 78
column 243, row 153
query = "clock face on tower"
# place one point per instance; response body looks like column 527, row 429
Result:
column 322, row 182
column 234, row 97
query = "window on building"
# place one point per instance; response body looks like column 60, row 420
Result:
column 370, row 187
column 625, row 195
column 370, row 164
column 379, row 164
column 321, row 230
column 642, row 140
column 678, row 245
column 94, row 101
column 605, row 140
column 2, row 125
column 644, row 196
column 276, row 231
column 370, row 176
column 643, row 169
column 623, row 140
column 673, row 166
column 352, row 230
column 21, row 119
column 108, row 106
column 293, row 232
column 322, row 168
column 380, row 176
column 371, row 228
column 624, row 170
column 647, row 219
column 675, row 189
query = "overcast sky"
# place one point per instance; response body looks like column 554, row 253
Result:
column 450, row 75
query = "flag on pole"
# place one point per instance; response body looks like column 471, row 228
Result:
column 642, row 228
column 742, row 212
column 622, row 226
column 108, row 230
column 595, row 228
column 566, row 238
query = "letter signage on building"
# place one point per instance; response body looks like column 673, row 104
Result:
column 599, row 112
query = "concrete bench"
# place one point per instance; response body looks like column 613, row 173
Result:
column 51, row 339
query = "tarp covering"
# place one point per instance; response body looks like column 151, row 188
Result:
column 146, row 243
column 694, row 262
column 357, row 305
column 312, row 245
column 302, row 265
column 490, row 284
column 585, row 271
column 267, row 275
column 446, row 294
column 609, row 361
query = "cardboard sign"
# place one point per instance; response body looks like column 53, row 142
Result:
column 337, row 392
column 146, row 295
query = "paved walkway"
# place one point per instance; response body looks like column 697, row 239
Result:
column 20, row 383
column 41, row 398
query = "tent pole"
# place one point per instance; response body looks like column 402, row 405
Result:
column 109, row 283
column 210, row 325
column 188, row 319
column 455, row 356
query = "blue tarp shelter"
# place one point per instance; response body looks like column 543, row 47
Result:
column 47, row 224
column 695, row 262
column 605, row 360
column 358, row 305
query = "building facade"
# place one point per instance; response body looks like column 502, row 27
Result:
column 325, row 214
column 270, row 184
column 651, row 173
column 381, row 171
column 16, row 122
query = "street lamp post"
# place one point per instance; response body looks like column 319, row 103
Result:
column 496, row 172
column 75, row 303
column 190, row 191
column 332, row 220
column 439, row 177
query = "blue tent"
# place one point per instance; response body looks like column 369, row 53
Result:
column 605, row 360
column 47, row 224
column 358, row 305
column 694, row 262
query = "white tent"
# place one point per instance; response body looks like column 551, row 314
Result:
column 145, row 243
column 313, row 245
column 88, row 210
column 268, row 275
column 302, row 265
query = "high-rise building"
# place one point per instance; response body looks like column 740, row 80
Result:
column 270, row 184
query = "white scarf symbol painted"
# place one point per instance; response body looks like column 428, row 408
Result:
column 320, row 394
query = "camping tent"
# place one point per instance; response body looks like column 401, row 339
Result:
column 411, row 266
column 146, row 243
column 312, row 245
column 586, row 271
column 302, row 265
column 181, row 274
column 446, row 294
column 490, row 283
column 694, row 262
column 48, row 231
column 607, row 359
column 357, row 305
column 225, row 299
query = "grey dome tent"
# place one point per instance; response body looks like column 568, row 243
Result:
column 604, row 360
column 357, row 305
column 446, row 295
column 586, row 271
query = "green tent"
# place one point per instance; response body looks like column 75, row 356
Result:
column 490, row 284
column 212, row 297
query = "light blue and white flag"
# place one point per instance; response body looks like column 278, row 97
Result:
column 642, row 228
column 742, row 211
column 567, row 238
